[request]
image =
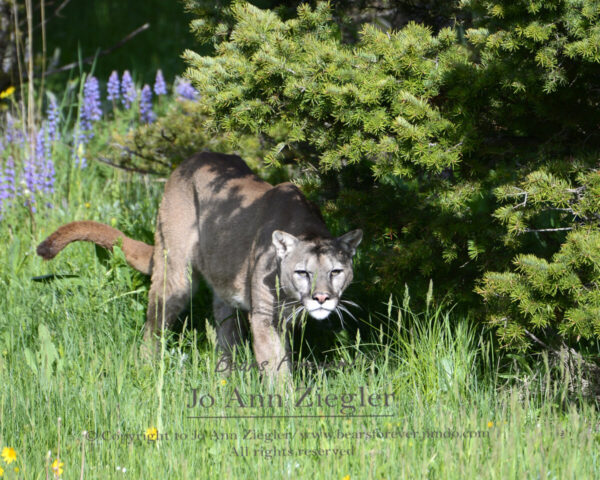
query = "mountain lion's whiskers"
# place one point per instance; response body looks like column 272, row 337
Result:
column 351, row 303
column 345, row 310
column 339, row 314
column 295, row 313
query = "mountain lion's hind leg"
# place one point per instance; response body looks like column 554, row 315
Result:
column 170, row 293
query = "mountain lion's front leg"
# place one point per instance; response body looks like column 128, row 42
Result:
column 269, row 345
column 231, row 330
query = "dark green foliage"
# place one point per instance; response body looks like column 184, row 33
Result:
column 296, row 84
column 363, row 116
column 535, row 73
column 215, row 20
column 468, row 155
column 86, row 27
column 158, row 147
column 7, row 45
column 538, row 64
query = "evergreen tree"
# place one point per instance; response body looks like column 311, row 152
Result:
column 468, row 155
column 537, row 126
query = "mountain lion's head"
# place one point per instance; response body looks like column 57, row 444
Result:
column 316, row 272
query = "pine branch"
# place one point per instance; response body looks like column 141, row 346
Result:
column 141, row 155
column 127, row 169
column 56, row 13
column 561, row 229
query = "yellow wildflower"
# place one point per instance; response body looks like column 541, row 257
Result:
column 223, row 382
column 151, row 433
column 490, row 424
column 8, row 92
column 17, row 469
column 88, row 204
column 57, row 467
column 9, row 455
column 1, row 472
column 347, row 477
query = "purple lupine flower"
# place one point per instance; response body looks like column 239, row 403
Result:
column 90, row 110
column 146, row 112
column 8, row 188
column 113, row 87
column 91, row 98
column 185, row 90
column 44, row 164
column 53, row 118
column 160, row 87
column 5, row 196
column 48, row 175
column 128, row 90
column 38, row 172
column 10, row 177
column 30, row 183
column 52, row 135
column 40, row 144
column 13, row 135
column 38, row 161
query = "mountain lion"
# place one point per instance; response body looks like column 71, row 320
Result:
column 263, row 249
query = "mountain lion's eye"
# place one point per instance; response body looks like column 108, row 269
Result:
column 302, row 273
column 335, row 272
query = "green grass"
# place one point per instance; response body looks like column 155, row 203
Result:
column 69, row 363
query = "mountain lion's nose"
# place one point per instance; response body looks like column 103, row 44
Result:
column 321, row 297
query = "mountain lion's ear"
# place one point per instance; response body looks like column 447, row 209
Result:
column 284, row 242
column 351, row 240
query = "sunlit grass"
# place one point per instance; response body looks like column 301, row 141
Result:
column 69, row 350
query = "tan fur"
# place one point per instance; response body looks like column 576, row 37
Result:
column 219, row 220
column 138, row 254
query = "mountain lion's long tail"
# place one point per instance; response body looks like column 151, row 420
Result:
column 138, row 254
